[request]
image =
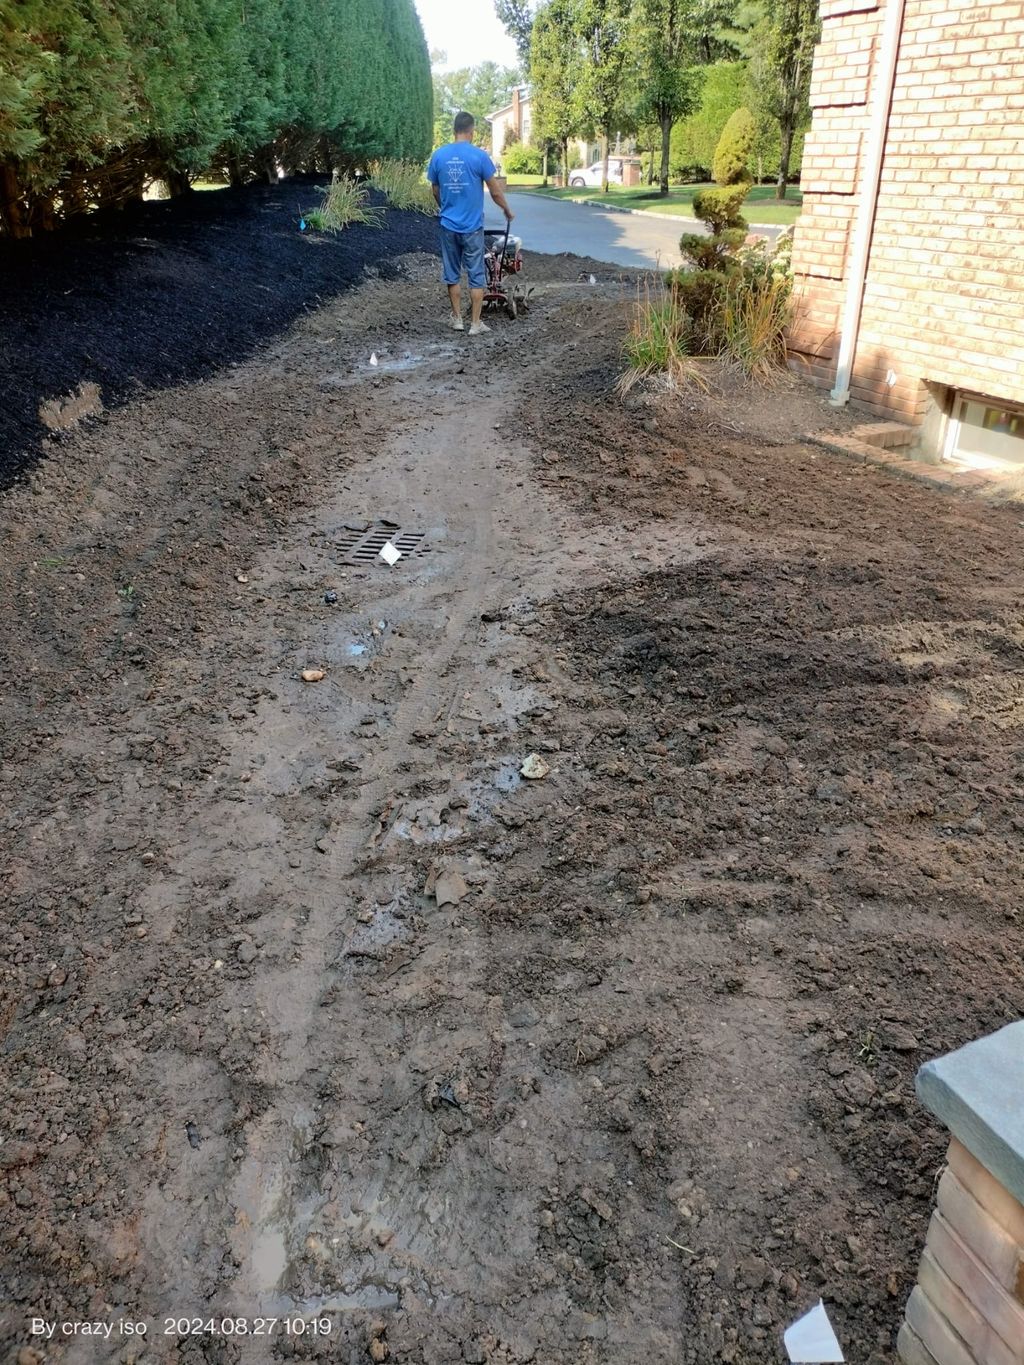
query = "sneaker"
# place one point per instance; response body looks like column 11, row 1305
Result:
column 477, row 328
column 456, row 323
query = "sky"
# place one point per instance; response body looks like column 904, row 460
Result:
column 467, row 30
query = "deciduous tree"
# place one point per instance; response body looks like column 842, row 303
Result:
column 555, row 62
column 666, row 37
column 602, row 94
column 517, row 19
column 782, row 57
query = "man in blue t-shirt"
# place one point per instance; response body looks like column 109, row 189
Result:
column 458, row 173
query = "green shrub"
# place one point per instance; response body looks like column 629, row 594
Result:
column 521, row 160
column 699, row 294
column 720, row 206
column 735, row 147
column 347, row 201
column 718, row 288
column 690, row 174
column 404, row 184
column 100, row 97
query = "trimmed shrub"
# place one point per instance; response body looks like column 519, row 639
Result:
column 720, row 206
column 735, row 147
column 519, row 159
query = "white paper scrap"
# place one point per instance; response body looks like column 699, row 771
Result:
column 811, row 1340
column 389, row 554
column 373, row 358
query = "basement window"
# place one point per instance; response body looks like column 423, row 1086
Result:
column 984, row 433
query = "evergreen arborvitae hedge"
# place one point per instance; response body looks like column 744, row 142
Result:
column 99, row 97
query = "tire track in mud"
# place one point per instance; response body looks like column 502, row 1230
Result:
column 265, row 1187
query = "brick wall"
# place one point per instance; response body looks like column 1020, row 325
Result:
column 967, row 1307
column 944, row 300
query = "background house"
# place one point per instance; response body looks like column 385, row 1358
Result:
column 928, row 94
column 514, row 123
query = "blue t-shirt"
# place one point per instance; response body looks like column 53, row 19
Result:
column 460, row 170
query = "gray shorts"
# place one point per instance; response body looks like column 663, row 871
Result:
column 463, row 251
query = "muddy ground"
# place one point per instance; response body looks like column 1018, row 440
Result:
column 315, row 1011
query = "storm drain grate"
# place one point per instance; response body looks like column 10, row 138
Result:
column 363, row 544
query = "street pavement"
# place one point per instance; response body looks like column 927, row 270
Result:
column 631, row 239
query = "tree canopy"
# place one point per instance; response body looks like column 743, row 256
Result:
column 674, row 71
column 480, row 90
column 99, row 96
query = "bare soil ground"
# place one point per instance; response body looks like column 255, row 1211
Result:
column 315, row 1010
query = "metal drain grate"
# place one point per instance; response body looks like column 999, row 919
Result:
column 363, row 544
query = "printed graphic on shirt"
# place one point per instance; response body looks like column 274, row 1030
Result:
column 459, row 171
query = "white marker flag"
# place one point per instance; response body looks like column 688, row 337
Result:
column 811, row 1340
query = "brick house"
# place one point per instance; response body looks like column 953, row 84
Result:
column 514, row 123
column 909, row 254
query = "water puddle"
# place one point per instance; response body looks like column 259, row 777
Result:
column 269, row 1257
column 369, row 1296
column 386, row 363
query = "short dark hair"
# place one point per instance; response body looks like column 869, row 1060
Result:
column 464, row 122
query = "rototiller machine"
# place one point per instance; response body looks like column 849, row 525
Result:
column 503, row 259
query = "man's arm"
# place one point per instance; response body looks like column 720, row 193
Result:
column 500, row 199
column 437, row 192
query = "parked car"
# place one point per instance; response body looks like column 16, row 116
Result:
column 591, row 175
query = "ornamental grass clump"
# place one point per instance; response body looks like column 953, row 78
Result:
column 345, row 201
column 656, row 340
column 404, row 184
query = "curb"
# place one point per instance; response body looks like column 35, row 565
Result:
column 640, row 213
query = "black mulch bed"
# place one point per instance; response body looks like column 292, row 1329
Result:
column 168, row 291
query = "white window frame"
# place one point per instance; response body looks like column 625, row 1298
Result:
column 955, row 421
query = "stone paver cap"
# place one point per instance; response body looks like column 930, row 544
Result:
column 978, row 1093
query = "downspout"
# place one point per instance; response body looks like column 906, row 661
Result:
column 864, row 223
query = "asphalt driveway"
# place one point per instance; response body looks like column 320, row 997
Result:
column 631, row 239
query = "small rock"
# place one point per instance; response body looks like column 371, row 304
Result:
column 590, row 1047
column 313, row 674
column 599, row 1205
column 900, row 1039
column 534, row 767
column 246, row 951
column 449, row 888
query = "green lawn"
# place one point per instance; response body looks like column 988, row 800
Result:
column 761, row 204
